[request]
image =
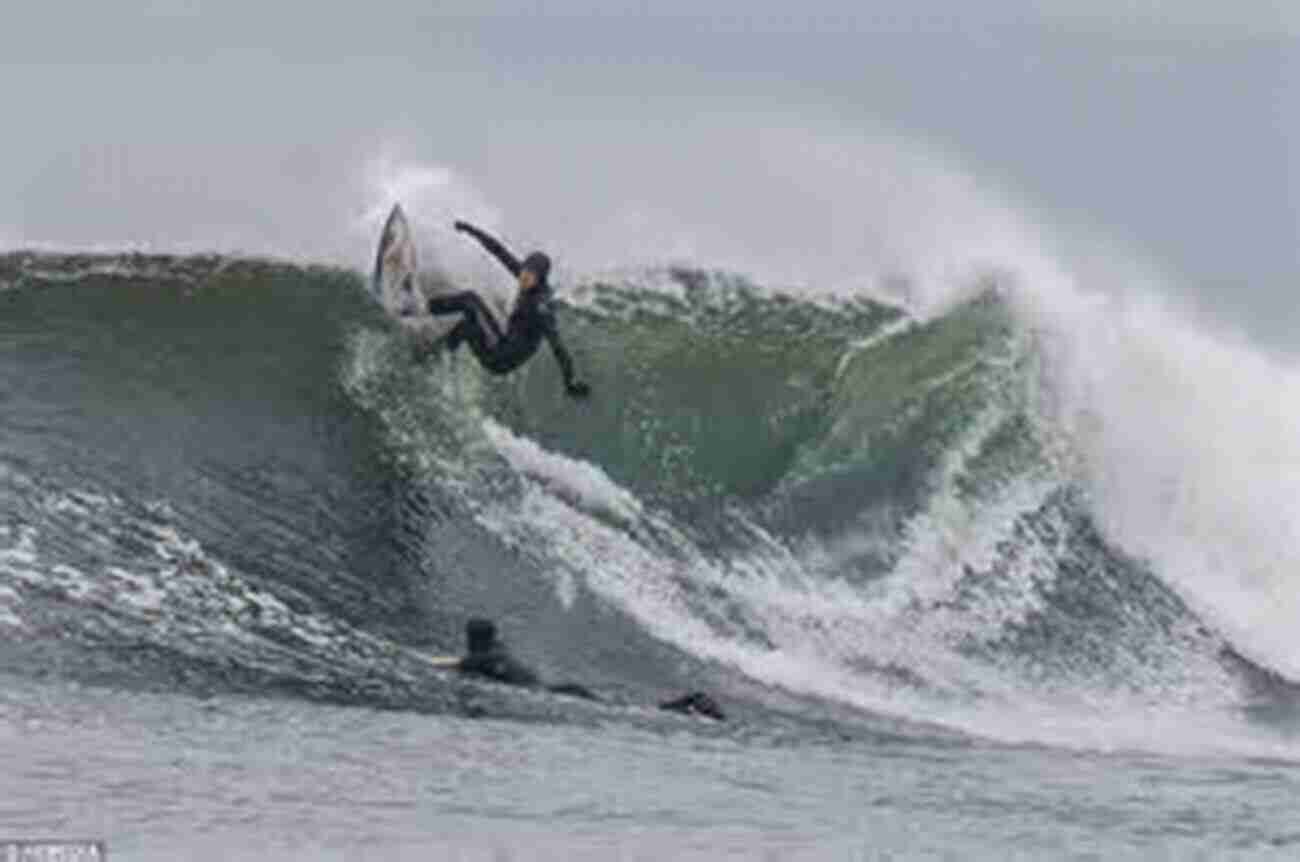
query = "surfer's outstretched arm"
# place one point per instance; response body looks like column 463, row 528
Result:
column 576, row 388
column 493, row 245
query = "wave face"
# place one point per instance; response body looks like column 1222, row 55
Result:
column 232, row 475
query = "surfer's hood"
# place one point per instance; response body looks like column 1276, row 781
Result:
column 540, row 263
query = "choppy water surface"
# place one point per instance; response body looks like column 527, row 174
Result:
column 174, row 777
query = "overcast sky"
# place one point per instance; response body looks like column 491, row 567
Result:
column 847, row 134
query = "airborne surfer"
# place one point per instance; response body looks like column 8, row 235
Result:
column 532, row 319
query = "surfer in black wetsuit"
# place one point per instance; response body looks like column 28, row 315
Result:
column 488, row 658
column 532, row 320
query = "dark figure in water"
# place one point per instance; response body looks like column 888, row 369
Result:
column 532, row 320
column 695, row 703
column 489, row 658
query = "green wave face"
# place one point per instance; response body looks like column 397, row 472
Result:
column 715, row 391
column 724, row 392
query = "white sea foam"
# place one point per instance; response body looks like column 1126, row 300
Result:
column 583, row 484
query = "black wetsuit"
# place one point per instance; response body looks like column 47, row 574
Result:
column 500, row 666
column 532, row 320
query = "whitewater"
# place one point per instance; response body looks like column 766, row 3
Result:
column 984, row 554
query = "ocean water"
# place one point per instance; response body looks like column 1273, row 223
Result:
column 1007, row 576
column 219, row 778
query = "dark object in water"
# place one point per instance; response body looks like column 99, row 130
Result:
column 695, row 703
column 489, row 658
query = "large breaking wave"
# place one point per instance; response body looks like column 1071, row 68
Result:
column 1053, row 520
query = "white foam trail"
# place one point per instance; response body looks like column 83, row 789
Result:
column 821, row 632
column 583, row 484
column 886, row 333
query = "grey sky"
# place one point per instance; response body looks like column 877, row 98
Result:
column 1165, row 132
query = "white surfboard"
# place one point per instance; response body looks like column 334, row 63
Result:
column 393, row 283
column 397, row 283
column 403, row 290
column 442, row 662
